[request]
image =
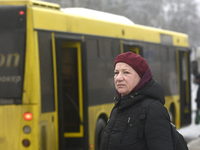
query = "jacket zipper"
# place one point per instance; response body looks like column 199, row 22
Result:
column 112, row 128
column 125, row 129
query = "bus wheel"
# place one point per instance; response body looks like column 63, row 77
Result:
column 172, row 113
column 99, row 127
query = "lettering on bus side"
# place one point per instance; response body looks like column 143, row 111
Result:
column 6, row 61
column 14, row 79
column 10, row 60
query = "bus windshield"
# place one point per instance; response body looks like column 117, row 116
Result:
column 12, row 53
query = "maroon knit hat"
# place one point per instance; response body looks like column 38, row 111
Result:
column 138, row 63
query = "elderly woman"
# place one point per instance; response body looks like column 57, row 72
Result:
column 134, row 84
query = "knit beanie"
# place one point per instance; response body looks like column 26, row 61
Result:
column 138, row 63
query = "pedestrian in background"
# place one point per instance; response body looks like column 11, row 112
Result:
column 134, row 84
column 197, row 117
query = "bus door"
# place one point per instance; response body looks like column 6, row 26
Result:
column 132, row 47
column 184, row 83
column 70, row 96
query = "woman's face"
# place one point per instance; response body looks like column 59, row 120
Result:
column 126, row 78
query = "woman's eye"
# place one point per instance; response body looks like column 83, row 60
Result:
column 116, row 73
column 126, row 72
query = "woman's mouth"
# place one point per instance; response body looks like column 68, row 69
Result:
column 120, row 85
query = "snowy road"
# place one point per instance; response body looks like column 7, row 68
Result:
column 191, row 133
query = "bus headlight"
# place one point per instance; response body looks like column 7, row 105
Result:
column 27, row 129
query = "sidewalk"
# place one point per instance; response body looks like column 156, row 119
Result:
column 194, row 145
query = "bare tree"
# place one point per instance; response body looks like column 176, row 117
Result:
column 183, row 16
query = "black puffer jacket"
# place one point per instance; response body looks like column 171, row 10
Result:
column 123, row 127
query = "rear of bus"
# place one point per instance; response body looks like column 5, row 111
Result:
column 16, row 120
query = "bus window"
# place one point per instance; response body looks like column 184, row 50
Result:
column 12, row 55
column 184, row 73
column 105, row 48
column 70, row 89
column 46, row 72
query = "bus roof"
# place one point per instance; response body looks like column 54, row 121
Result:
column 110, row 18
column 98, row 15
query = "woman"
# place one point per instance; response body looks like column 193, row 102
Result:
column 134, row 84
column 198, row 91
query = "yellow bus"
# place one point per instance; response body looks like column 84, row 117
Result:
column 56, row 73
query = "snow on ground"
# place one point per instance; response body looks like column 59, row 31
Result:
column 192, row 131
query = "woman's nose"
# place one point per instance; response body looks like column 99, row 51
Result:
column 119, row 76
